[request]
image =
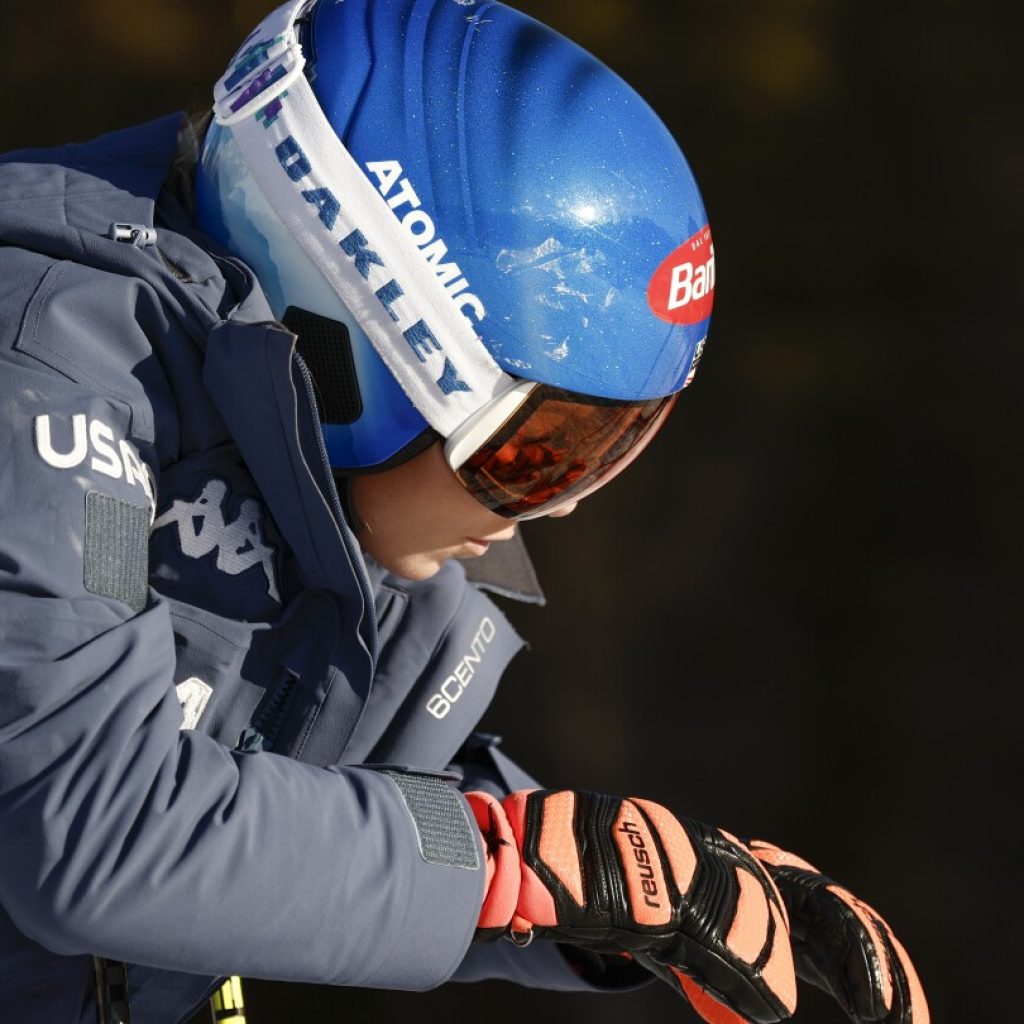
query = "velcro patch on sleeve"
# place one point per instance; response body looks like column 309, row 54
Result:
column 443, row 828
column 116, row 551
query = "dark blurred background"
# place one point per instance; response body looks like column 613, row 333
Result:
column 797, row 616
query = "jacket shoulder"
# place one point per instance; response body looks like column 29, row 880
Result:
column 89, row 327
column 133, row 161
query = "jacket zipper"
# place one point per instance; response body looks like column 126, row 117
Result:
column 331, row 492
column 261, row 732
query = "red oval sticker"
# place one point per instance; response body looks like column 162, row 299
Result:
column 682, row 290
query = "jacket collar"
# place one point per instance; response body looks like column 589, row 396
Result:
column 249, row 372
column 507, row 569
column 79, row 184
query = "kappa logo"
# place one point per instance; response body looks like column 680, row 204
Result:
column 240, row 544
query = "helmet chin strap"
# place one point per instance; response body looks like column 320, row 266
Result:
column 345, row 226
column 348, row 502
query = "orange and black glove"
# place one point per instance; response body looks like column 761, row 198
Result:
column 843, row 946
column 613, row 876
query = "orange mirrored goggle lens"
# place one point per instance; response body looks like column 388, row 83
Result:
column 557, row 448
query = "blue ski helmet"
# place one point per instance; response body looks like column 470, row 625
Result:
column 548, row 198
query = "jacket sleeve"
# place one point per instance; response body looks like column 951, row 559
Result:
column 544, row 965
column 124, row 836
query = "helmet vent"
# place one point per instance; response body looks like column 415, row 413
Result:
column 326, row 349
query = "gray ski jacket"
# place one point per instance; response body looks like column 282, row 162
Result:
column 197, row 667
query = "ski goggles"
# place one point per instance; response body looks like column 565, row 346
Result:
column 536, row 448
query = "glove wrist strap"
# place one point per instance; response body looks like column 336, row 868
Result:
column 504, row 871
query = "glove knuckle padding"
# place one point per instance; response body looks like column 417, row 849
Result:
column 843, row 946
column 690, row 902
column 869, row 932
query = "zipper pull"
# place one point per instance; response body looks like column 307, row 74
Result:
column 252, row 741
column 134, row 234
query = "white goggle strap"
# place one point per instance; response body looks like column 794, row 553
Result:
column 344, row 224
